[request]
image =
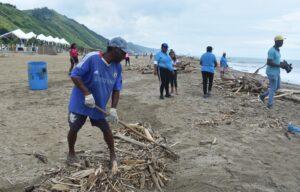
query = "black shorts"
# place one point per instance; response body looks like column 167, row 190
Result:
column 76, row 121
column 74, row 60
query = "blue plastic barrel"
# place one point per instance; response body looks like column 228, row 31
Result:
column 37, row 75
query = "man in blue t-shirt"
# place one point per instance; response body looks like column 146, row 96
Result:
column 208, row 62
column 273, row 70
column 97, row 78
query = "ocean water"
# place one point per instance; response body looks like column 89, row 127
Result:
column 250, row 65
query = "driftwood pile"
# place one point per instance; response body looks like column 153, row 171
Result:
column 142, row 166
column 184, row 66
column 144, row 69
column 245, row 83
column 252, row 83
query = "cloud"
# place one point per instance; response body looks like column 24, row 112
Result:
column 283, row 24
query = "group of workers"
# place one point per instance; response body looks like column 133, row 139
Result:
column 98, row 77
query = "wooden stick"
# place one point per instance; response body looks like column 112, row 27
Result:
column 257, row 70
column 142, row 136
column 154, row 178
column 289, row 90
column 281, row 95
column 130, row 140
column 62, row 183
column 148, row 135
column 239, row 89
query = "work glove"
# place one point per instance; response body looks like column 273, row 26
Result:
column 113, row 116
column 89, row 101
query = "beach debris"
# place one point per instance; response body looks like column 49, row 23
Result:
column 40, row 157
column 212, row 142
column 252, row 83
column 141, row 166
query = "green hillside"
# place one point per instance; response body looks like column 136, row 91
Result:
column 49, row 22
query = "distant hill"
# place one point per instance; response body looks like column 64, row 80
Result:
column 49, row 22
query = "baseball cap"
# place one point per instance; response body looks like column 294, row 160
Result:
column 120, row 43
column 164, row 45
column 279, row 38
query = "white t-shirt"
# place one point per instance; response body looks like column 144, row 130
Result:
column 174, row 63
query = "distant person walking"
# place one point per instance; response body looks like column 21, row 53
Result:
column 208, row 62
column 163, row 68
column 223, row 65
column 273, row 70
column 174, row 74
column 73, row 56
column 151, row 56
column 127, row 60
column 96, row 78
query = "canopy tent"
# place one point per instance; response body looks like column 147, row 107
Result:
column 30, row 35
column 64, row 41
column 18, row 33
column 25, row 36
column 41, row 37
column 50, row 39
column 57, row 40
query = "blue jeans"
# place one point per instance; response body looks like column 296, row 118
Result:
column 274, row 85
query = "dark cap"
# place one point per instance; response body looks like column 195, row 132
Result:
column 120, row 43
column 164, row 45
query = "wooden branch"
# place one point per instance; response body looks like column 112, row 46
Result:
column 130, row 140
column 148, row 135
column 83, row 173
column 239, row 89
column 154, row 178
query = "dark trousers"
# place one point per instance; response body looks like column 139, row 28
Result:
column 127, row 60
column 174, row 79
column 164, row 79
column 207, row 77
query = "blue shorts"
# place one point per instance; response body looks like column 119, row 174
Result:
column 76, row 121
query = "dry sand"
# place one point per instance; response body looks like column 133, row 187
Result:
column 251, row 154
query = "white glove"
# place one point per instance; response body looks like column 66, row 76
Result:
column 89, row 101
column 113, row 116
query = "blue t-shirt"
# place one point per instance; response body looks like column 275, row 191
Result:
column 223, row 62
column 275, row 56
column 164, row 60
column 100, row 78
column 208, row 62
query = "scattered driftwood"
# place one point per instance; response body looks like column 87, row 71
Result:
column 141, row 166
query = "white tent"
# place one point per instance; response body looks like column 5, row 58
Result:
column 23, row 36
column 57, row 40
column 50, row 39
column 64, row 41
column 41, row 37
column 30, row 35
column 18, row 33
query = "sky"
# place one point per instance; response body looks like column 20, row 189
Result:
column 239, row 28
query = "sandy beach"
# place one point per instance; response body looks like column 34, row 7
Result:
column 252, row 154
